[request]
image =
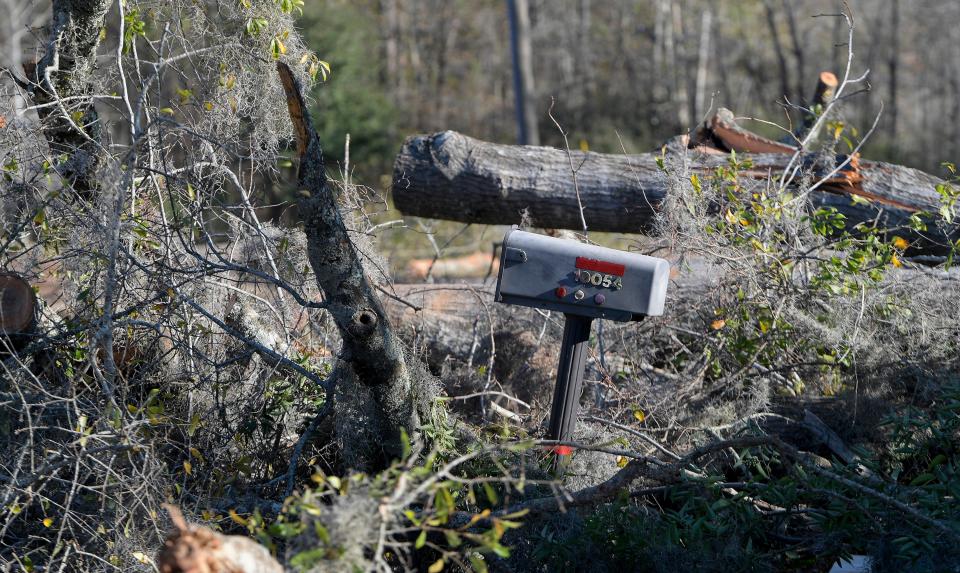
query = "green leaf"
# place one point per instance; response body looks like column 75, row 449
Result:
column 277, row 48
column 478, row 563
column 720, row 504
column 255, row 26
column 307, row 559
column 405, row 443
column 322, row 533
column 947, row 213
column 491, row 494
column 453, row 540
column 421, row 540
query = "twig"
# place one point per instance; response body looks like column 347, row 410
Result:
column 573, row 169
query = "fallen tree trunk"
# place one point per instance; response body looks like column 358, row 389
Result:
column 452, row 176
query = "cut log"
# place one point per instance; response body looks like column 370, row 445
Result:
column 826, row 85
column 452, row 176
column 18, row 310
column 198, row 549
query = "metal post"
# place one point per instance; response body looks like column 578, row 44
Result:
column 566, row 395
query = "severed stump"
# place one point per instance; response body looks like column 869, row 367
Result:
column 18, row 311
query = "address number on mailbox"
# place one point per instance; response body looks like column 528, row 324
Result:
column 598, row 279
column 599, row 273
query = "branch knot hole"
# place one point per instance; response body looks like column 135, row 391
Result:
column 363, row 322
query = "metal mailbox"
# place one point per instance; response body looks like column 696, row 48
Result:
column 580, row 279
column 583, row 282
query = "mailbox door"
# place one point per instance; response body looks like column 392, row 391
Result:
column 576, row 278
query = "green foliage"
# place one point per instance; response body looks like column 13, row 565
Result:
column 778, row 515
column 255, row 26
column 354, row 101
column 438, row 518
column 134, row 26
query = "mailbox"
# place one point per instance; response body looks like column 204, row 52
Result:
column 580, row 279
column 583, row 282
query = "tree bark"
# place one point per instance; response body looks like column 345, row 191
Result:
column 376, row 390
column 451, row 176
column 60, row 87
column 678, row 66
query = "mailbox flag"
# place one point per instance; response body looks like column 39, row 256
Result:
column 604, row 267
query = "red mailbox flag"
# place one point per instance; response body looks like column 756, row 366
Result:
column 600, row 266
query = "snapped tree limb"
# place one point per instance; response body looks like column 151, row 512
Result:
column 380, row 395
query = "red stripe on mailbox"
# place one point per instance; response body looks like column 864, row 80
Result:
column 600, row 266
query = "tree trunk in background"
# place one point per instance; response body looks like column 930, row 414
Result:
column 584, row 62
column 413, row 20
column 725, row 93
column 893, row 65
column 439, row 50
column 523, row 88
column 660, row 33
column 798, row 46
column 778, row 48
column 954, row 72
column 64, row 72
column 706, row 21
column 839, row 37
column 391, row 40
column 678, row 63
column 18, row 25
column 377, row 392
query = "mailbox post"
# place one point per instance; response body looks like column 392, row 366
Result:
column 583, row 282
